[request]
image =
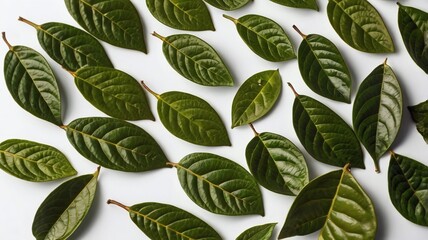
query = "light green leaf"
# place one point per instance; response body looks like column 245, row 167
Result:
column 228, row 5
column 260, row 232
column 419, row 114
column 309, row 4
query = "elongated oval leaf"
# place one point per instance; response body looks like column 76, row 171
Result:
column 277, row 163
column 32, row 83
column 33, row 161
column 325, row 135
column 192, row 15
column 195, row 60
column 377, row 111
column 408, row 188
column 256, row 97
column 61, row 213
column 419, row 114
column 260, row 232
column 219, row 185
column 309, row 4
column 359, row 24
column 228, row 5
column 113, row 92
column 334, row 203
column 264, row 37
column 413, row 26
column 115, row 144
column 114, row 21
column 71, row 47
column 164, row 221
column 323, row 68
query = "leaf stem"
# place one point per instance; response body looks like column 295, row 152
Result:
column 110, row 201
column 158, row 36
column 3, row 35
column 299, row 32
column 377, row 168
column 63, row 127
column 28, row 22
column 230, row 18
column 171, row 164
column 292, row 89
column 347, row 167
column 254, row 130
column 386, row 60
column 149, row 90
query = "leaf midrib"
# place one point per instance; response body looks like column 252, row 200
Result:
column 27, row 159
column 183, row 10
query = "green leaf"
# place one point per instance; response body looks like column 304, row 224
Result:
column 323, row 68
column 163, row 221
column 33, row 161
column 115, row 144
column 61, row 213
column 324, row 134
column 377, row 111
column 219, row 185
column 32, row 83
column 309, row 4
column 228, row 5
column 256, row 97
column 191, row 15
column 195, row 60
column 264, row 37
column 420, row 116
column 334, row 203
column 408, row 188
column 413, row 25
column 359, row 24
column 71, row 47
column 260, row 232
column 113, row 92
column 277, row 163
column 114, row 21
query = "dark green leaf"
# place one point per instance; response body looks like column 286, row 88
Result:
column 192, row 15
column 219, row 185
column 277, row 163
column 325, row 135
column 32, row 83
column 228, row 5
column 163, row 221
column 265, row 37
column 261, row 232
column 309, row 4
column 61, row 213
column 323, row 68
column 334, row 203
column 408, row 188
column 115, row 144
column 114, row 21
column 195, row 60
column 420, row 116
column 71, row 47
column 377, row 111
column 359, row 24
column 114, row 92
column 256, row 97
column 33, row 161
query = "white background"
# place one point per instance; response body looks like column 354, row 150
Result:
column 20, row 199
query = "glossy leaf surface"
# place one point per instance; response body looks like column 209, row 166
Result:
column 413, row 25
column 228, row 5
column 195, row 60
column 192, row 119
column 115, row 144
column 114, row 21
column 277, row 163
column 191, row 15
column 309, row 4
column 324, row 134
column 33, row 161
column 164, row 221
column 377, row 111
column 334, row 203
column 264, row 37
column 113, row 92
column 71, row 47
column 260, row 232
column 219, row 185
column 61, row 213
column 323, row 68
column 32, row 83
column 419, row 114
column 359, row 24
column 408, row 188
column 256, row 97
